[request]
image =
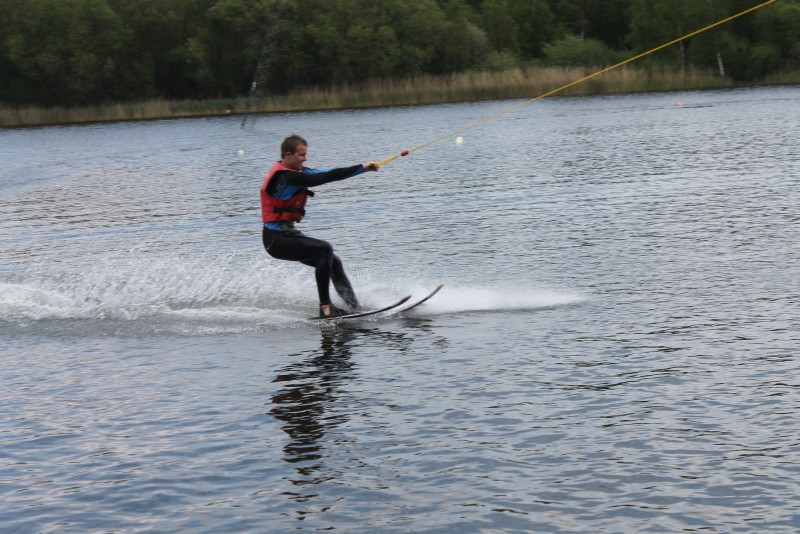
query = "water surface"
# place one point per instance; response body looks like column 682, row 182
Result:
column 615, row 349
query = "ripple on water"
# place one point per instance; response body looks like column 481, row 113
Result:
column 614, row 349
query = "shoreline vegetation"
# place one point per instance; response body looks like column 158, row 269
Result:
column 420, row 90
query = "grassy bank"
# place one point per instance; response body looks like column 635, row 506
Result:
column 514, row 83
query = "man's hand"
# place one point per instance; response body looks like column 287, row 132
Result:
column 371, row 166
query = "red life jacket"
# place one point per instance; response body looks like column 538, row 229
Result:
column 274, row 209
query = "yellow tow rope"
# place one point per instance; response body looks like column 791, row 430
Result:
column 554, row 91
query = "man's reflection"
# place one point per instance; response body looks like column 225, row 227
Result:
column 312, row 388
column 309, row 388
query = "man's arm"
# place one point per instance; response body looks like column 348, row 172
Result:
column 313, row 179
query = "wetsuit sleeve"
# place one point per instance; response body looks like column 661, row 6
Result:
column 313, row 179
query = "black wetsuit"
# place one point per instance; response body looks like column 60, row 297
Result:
column 281, row 240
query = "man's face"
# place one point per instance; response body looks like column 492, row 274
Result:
column 295, row 160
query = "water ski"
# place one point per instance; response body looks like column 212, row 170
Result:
column 390, row 309
column 364, row 313
column 418, row 302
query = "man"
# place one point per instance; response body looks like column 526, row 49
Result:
column 283, row 198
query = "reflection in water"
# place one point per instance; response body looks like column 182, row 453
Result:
column 309, row 403
column 309, row 388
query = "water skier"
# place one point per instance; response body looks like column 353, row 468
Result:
column 284, row 194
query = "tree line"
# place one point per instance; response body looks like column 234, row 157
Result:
column 78, row 52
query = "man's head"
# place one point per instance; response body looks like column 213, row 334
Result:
column 293, row 151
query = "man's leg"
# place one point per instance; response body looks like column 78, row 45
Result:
column 318, row 254
column 342, row 284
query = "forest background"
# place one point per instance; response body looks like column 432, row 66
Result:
column 73, row 53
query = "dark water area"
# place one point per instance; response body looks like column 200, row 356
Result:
column 615, row 348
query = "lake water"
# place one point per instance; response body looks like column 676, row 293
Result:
column 616, row 347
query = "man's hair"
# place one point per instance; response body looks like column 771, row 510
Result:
column 291, row 143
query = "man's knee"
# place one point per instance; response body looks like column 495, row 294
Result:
column 324, row 254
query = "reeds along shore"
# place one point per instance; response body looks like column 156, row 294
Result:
column 463, row 87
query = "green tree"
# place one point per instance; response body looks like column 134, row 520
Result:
column 655, row 22
column 382, row 59
column 15, row 88
column 457, row 52
column 725, row 48
column 69, row 50
column 734, row 49
column 420, row 27
column 168, row 53
column 611, row 23
column 499, row 25
column 777, row 33
column 573, row 51
column 351, row 40
column 535, row 24
column 85, row 51
column 577, row 15
column 230, row 42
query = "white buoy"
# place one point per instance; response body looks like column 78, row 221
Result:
column 459, row 140
column 241, row 152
